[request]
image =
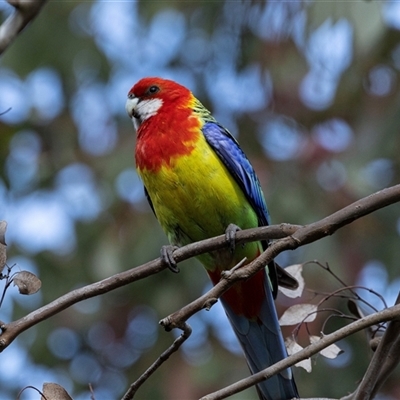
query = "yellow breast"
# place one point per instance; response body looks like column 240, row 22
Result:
column 195, row 197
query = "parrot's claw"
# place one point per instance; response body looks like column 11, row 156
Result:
column 230, row 236
column 167, row 257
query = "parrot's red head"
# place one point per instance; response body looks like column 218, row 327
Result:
column 149, row 95
column 162, row 113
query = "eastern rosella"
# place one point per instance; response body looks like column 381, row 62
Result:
column 198, row 181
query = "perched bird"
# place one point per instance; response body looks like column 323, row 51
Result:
column 199, row 182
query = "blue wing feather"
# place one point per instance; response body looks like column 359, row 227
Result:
column 229, row 151
column 261, row 339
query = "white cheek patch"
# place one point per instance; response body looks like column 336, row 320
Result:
column 147, row 108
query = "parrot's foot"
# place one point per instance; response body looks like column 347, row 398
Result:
column 167, row 257
column 230, row 235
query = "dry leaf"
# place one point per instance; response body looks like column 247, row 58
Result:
column 299, row 313
column 374, row 331
column 296, row 271
column 293, row 347
column 3, row 245
column 331, row 351
column 355, row 309
column 27, row 282
column 52, row 391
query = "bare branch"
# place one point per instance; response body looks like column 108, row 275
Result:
column 388, row 314
column 392, row 360
column 25, row 11
column 385, row 358
column 300, row 236
column 187, row 331
column 11, row 330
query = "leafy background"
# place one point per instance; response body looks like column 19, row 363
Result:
column 310, row 89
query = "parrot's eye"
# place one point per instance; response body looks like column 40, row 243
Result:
column 153, row 89
column 131, row 95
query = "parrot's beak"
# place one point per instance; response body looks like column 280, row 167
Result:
column 131, row 105
column 140, row 110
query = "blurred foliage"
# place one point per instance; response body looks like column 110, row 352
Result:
column 311, row 91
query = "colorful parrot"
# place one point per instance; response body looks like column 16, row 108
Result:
column 199, row 182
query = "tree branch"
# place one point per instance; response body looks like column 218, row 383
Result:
column 11, row 330
column 25, row 11
column 299, row 236
column 388, row 314
column 385, row 358
column 187, row 331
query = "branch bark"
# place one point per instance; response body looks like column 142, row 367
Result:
column 11, row 330
column 302, row 235
column 290, row 237
column 299, row 236
column 186, row 332
column 388, row 314
column 25, row 12
column 384, row 360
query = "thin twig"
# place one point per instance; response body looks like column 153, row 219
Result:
column 382, row 316
column 187, row 331
column 13, row 329
column 302, row 236
column 350, row 288
column 383, row 361
column 299, row 236
column 392, row 360
column 91, row 391
column 30, row 387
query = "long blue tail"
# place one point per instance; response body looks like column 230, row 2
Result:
column 263, row 345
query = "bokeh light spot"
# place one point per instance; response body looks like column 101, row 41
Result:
column 381, row 80
column 45, row 90
column 334, row 135
column 63, row 343
column 13, row 98
column 331, row 175
column 129, row 187
column 76, row 185
column 85, row 368
column 281, row 139
column 39, row 222
column 142, row 331
column 22, row 161
column 378, row 173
